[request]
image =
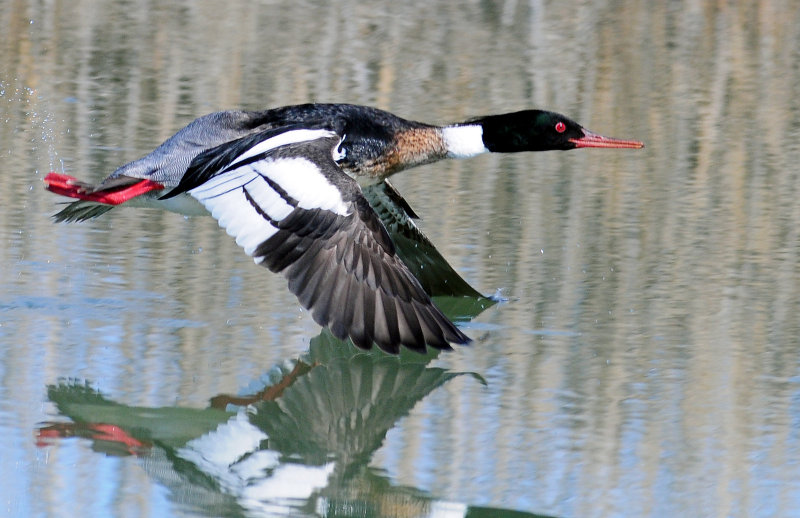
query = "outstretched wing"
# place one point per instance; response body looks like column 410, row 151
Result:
column 432, row 270
column 291, row 208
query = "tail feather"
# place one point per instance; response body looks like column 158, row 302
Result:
column 81, row 210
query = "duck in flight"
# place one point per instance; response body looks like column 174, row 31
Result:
column 303, row 189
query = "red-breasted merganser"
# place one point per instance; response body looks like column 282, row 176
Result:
column 294, row 186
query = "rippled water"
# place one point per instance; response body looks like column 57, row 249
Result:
column 645, row 364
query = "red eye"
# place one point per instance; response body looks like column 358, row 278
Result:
column 560, row 127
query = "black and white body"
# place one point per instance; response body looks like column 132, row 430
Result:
column 298, row 188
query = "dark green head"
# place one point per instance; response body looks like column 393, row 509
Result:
column 539, row 130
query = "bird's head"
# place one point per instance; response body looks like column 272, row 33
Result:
column 539, row 130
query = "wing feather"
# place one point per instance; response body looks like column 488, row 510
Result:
column 435, row 275
column 294, row 211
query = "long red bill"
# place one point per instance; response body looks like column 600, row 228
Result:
column 590, row 139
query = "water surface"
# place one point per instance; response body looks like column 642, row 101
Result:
column 645, row 364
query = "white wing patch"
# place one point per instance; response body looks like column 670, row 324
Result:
column 303, row 181
column 249, row 200
column 224, row 197
column 282, row 139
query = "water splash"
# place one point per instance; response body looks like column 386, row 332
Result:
column 40, row 124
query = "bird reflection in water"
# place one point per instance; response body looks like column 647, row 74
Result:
column 300, row 445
